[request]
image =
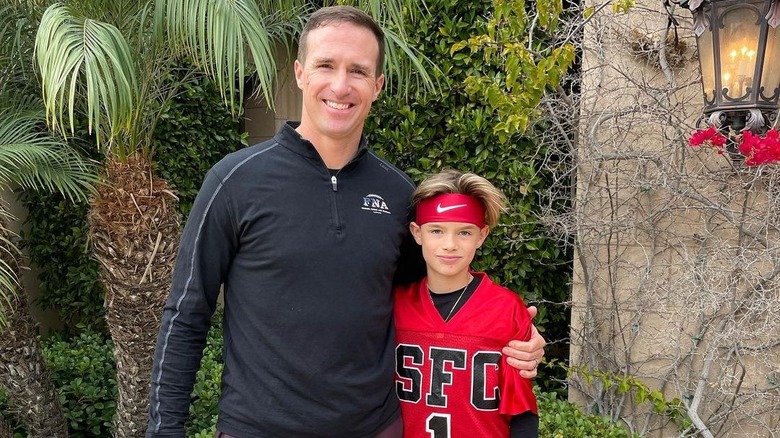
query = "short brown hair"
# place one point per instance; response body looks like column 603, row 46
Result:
column 343, row 14
column 454, row 181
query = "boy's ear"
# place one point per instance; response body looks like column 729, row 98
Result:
column 415, row 229
column 483, row 233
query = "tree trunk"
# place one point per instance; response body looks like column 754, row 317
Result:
column 5, row 429
column 134, row 227
column 23, row 372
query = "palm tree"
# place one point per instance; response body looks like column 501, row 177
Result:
column 110, row 59
column 29, row 160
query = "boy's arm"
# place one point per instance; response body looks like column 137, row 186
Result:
column 525, row 356
column 525, row 425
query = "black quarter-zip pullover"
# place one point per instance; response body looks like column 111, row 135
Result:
column 307, row 261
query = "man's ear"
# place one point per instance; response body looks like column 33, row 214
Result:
column 298, row 69
column 380, row 81
column 416, row 231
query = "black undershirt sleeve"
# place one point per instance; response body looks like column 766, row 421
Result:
column 525, row 425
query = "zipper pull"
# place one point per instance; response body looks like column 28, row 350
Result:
column 334, row 183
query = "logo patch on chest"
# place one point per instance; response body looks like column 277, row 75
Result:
column 375, row 204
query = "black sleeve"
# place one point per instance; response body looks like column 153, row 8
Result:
column 525, row 425
column 411, row 264
column 206, row 248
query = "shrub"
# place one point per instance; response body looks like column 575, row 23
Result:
column 84, row 373
column 68, row 277
column 561, row 419
column 193, row 134
column 203, row 408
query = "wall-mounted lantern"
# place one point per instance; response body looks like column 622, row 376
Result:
column 739, row 54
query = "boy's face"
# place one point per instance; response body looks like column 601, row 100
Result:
column 448, row 247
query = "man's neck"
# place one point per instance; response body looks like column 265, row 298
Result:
column 335, row 152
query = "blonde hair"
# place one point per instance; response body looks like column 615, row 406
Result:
column 454, row 181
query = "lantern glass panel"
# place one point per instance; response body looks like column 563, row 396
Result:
column 707, row 62
column 738, row 47
column 770, row 75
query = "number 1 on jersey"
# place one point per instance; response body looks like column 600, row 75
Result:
column 438, row 425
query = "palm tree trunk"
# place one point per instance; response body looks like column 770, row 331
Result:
column 134, row 227
column 5, row 429
column 23, row 372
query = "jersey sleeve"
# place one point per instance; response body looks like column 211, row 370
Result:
column 516, row 391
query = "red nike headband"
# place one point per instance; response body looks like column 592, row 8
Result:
column 451, row 207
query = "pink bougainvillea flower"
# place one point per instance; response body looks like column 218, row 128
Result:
column 709, row 137
column 760, row 150
column 756, row 149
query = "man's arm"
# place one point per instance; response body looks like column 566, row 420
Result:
column 526, row 356
column 206, row 248
column 411, row 264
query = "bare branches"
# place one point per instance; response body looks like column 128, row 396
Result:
column 677, row 250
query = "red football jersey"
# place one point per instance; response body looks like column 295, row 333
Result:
column 450, row 376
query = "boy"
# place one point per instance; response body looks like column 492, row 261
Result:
column 450, row 376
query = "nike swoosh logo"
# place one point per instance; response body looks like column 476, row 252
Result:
column 440, row 209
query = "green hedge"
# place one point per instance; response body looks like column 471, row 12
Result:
column 561, row 419
column 423, row 134
column 84, row 373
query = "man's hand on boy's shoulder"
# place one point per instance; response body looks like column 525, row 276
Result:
column 525, row 356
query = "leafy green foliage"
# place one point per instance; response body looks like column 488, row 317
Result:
column 204, row 409
column 191, row 136
column 68, row 277
column 561, row 419
column 673, row 409
column 528, row 64
column 455, row 129
column 83, row 371
column 623, row 6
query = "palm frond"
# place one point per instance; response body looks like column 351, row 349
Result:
column 405, row 67
column 216, row 33
column 79, row 53
column 37, row 161
column 18, row 22
column 9, row 252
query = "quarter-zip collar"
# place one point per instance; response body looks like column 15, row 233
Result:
column 292, row 140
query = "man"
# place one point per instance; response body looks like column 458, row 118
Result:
column 305, row 232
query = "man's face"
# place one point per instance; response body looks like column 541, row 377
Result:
column 339, row 82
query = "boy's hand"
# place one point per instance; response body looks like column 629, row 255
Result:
column 526, row 356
